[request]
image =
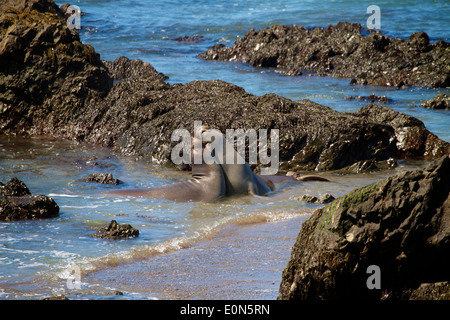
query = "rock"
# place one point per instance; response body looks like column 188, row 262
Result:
column 372, row 98
column 370, row 165
column 400, row 224
column 325, row 198
column 124, row 68
column 342, row 51
column 105, row 178
column 116, row 231
column 29, row 5
column 312, row 136
column 17, row 203
column 190, row 39
column 57, row 297
column 66, row 14
column 14, row 187
column 419, row 41
column 439, row 102
column 432, row 291
column 412, row 138
column 47, row 76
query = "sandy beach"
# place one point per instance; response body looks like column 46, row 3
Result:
column 239, row 262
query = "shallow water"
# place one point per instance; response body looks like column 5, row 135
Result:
column 35, row 255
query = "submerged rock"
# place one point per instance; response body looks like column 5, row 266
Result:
column 342, row 51
column 325, row 198
column 190, row 39
column 105, row 178
column 17, row 203
column 14, row 188
column 117, row 231
column 400, row 225
column 372, row 98
column 412, row 138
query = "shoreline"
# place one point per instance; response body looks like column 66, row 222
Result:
column 234, row 264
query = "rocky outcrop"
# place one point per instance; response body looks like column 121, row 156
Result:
column 17, row 203
column 116, row 231
column 105, row 178
column 372, row 98
column 439, row 102
column 343, row 51
column 55, row 85
column 325, row 198
column 47, row 76
column 400, row 225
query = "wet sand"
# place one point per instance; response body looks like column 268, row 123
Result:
column 239, row 262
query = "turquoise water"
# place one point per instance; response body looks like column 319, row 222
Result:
column 35, row 255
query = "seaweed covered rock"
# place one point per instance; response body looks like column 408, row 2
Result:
column 139, row 115
column 342, row 51
column 400, row 225
column 116, row 231
column 47, row 75
column 105, row 178
column 17, row 203
column 439, row 102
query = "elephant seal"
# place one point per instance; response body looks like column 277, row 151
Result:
column 239, row 177
column 207, row 184
column 215, row 180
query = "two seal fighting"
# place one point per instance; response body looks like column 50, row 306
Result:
column 211, row 182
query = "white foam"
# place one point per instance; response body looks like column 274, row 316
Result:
column 64, row 195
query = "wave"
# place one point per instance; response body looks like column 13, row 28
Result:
column 65, row 195
column 92, row 264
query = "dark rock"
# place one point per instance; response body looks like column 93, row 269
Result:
column 105, row 178
column 14, row 187
column 342, row 51
column 117, row 231
column 370, row 165
column 419, row 41
column 17, row 203
column 400, row 224
column 412, row 138
column 28, row 5
column 439, row 102
column 325, row 198
column 47, row 76
column 372, row 98
column 311, row 136
column 66, row 14
column 57, row 297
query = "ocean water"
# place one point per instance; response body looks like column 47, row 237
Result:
column 37, row 257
